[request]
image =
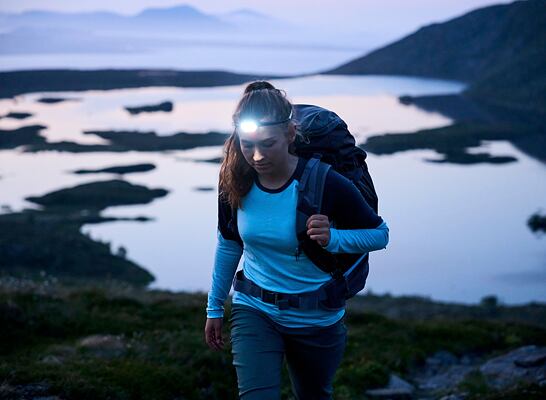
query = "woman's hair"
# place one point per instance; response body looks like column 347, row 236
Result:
column 260, row 101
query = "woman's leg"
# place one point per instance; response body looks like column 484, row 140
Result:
column 258, row 351
column 313, row 356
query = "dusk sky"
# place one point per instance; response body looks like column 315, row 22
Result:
column 387, row 18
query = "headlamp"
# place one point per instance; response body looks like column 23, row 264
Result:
column 249, row 125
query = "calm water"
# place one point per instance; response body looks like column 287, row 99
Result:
column 252, row 59
column 457, row 232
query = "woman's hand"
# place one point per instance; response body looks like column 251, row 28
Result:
column 318, row 228
column 213, row 333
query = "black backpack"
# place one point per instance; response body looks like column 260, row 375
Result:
column 329, row 139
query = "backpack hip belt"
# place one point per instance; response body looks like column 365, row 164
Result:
column 331, row 295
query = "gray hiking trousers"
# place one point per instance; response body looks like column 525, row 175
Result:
column 259, row 345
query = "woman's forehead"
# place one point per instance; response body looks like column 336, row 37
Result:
column 260, row 134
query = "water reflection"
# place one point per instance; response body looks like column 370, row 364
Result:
column 456, row 231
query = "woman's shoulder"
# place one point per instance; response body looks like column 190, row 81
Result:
column 335, row 180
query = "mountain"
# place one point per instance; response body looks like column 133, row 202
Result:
column 178, row 18
column 500, row 50
column 250, row 21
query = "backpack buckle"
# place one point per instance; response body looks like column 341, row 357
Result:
column 275, row 298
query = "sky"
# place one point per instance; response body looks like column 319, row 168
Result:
column 386, row 18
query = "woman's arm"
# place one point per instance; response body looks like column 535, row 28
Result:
column 358, row 240
column 358, row 229
column 226, row 259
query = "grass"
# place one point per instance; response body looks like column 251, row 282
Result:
column 166, row 357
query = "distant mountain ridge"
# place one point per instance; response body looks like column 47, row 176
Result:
column 181, row 17
column 500, row 50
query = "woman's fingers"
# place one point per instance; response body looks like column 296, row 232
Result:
column 219, row 338
column 318, row 228
column 317, row 231
column 213, row 333
column 317, row 221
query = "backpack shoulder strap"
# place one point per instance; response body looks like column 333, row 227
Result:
column 310, row 193
column 311, row 187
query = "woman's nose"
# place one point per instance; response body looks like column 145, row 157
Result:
column 257, row 155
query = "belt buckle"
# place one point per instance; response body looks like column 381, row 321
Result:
column 283, row 304
column 268, row 296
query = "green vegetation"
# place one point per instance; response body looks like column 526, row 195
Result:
column 161, row 352
column 34, row 242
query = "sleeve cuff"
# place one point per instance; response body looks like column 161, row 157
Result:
column 215, row 313
column 333, row 244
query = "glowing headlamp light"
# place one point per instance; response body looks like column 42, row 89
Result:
column 250, row 126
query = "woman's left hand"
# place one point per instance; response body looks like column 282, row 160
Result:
column 318, row 228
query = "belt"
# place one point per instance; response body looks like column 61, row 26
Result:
column 306, row 300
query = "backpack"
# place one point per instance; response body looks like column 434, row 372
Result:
column 326, row 143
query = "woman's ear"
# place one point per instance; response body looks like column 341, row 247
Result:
column 291, row 134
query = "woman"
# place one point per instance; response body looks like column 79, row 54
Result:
column 259, row 179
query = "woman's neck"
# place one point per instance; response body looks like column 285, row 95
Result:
column 277, row 178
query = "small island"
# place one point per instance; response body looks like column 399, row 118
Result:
column 53, row 100
column 121, row 141
column 17, row 115
column 166, row 106
column 121, row 169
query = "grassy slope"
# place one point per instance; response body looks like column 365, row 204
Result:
column 167, row 357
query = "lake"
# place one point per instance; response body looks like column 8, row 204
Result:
column 457, row 232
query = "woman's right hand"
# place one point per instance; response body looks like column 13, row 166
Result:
column 213, row 333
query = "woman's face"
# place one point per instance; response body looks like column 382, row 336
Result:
column 266, row 150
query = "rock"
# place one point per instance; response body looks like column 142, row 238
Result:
column 533, row 360
column 450, row 377
column 452, row 397
column 50, row 359
column 441, row 358
column 393, row 394
column 105, row 346
column 397, row 388
column 29, row 390
column 395, row 382
column 61, row 350
column 505, row 370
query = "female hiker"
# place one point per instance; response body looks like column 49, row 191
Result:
column 270, row 318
